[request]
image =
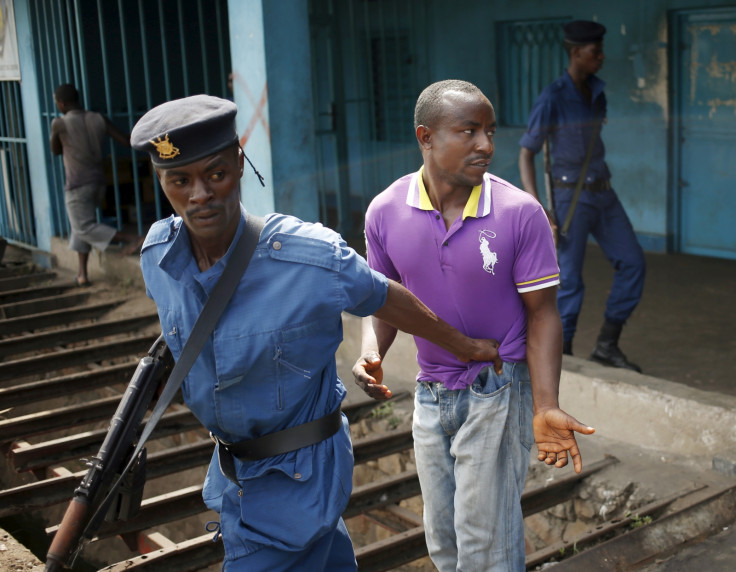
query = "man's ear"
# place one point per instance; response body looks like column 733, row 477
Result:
column 424, row 137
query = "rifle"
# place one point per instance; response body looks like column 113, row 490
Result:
column 102, row 494
column 548, row 187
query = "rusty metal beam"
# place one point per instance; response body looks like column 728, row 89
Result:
column 392, row 552
column 78, row 357
column 702, row 513
column 23, row 280
column 8, row 270
column 42, row 455
column 61, row 337
column 38, row 391
column 44, row 304
column 16, row 326
column 380, row 445
column 189, row 556
column 540, row 498
column 25, row 426
column 32, row 292
column 58, row 490
column 155, row 511
column 383, row 492
column 362, row 409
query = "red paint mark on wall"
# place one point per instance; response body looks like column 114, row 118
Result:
column 258, row 113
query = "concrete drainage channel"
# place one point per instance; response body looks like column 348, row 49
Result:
column 67, row 353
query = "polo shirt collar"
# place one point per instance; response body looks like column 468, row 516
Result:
column 478, row 205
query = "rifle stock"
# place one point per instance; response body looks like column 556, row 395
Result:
column 96, row 496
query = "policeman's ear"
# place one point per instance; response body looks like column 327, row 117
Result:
column 241, row 160
column 424, row 137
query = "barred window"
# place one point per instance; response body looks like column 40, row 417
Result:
column 530, row 56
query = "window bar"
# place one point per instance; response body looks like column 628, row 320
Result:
column 61, row 226
column 129, row 113
column 69, row 41
column 82, row 52
column 224, row 73
column 203, row 47
column 110, row 114
column 371, row 91
column 149, row 104
column 183, row 47
column 162, row 27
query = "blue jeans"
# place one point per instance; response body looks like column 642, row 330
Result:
column 472, row 451
column 601, row 215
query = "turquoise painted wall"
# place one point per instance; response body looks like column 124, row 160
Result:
column 635, row 69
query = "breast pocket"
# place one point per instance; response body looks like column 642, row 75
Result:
column 298, row 357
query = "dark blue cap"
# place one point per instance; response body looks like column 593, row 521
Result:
column 185, row 130
column 584, row 32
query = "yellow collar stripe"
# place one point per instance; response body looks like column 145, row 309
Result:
column 471, row 207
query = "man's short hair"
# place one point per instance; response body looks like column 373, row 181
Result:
column 429, row 104
column 66, row 93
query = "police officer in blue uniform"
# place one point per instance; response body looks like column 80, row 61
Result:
column 570, row 113
column 269, row 365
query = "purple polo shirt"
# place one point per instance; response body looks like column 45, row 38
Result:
column 470, row 275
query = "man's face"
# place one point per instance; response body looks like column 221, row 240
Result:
column 205, row 194
column 590, row 57
column 461, row 143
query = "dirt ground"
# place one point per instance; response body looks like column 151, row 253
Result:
column 15, row 557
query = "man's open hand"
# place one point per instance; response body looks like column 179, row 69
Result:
column 368, row 375
column 554, row 433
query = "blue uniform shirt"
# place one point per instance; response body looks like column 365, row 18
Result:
column 563, row 114
column 268, row 365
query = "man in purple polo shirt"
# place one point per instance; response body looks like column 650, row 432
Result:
column 479, row 252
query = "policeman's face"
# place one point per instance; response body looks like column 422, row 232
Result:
column 206, row 194
column 590, row 57
column 459, row 147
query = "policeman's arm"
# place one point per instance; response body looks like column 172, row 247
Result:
column 554, row 430
column 528, row 172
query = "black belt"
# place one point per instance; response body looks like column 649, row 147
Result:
column 594, row 186
column 286, row 440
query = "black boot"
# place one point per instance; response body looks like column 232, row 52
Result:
column 567, row 347
column 606, row 350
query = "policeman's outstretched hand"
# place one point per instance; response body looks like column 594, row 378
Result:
column 554, row 433
column 368, row 375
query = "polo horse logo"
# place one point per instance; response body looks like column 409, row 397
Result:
column 489, row 258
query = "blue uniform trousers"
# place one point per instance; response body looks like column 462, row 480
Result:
column 601, row 215
column 333, row 552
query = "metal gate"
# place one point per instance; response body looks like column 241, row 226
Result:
column 16, row 208
column 369, row 65
column 704, row 131
column 124, row 57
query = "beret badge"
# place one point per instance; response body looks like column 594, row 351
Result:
column 165, row 148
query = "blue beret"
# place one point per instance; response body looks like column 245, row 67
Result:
column 185, row 130
column 584, row 32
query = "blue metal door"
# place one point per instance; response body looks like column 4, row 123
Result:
column 704, row 171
